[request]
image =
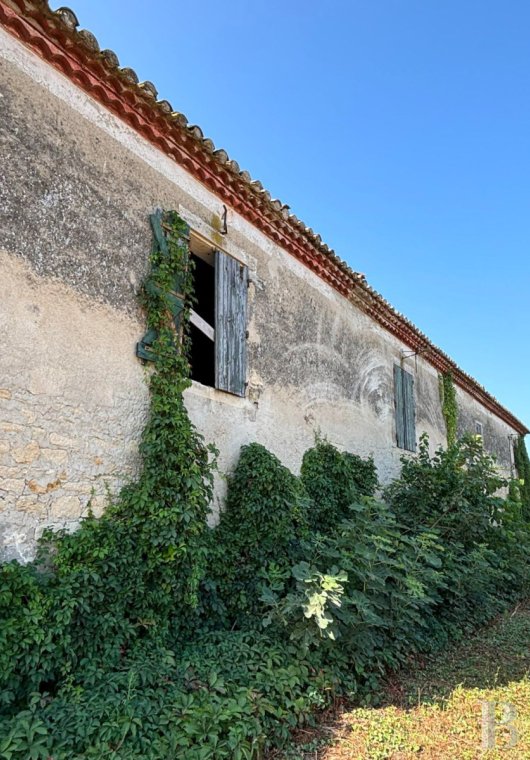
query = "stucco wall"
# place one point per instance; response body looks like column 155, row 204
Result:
column 496, row 433
column 75, row 196
column 72, row 402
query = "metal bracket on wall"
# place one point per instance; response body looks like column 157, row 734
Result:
column 415, row 354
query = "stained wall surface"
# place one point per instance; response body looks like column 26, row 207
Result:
column 76, row 191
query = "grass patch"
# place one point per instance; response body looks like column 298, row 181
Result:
column 433, row 709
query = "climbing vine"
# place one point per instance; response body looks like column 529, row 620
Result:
column 449, row 406
column 522, row 467
column 131, row 574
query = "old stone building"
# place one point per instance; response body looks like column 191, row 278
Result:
column 88, row 153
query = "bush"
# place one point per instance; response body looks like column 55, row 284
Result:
column 24, row 633
column 260, row 533
column 334, row 480
column 453, row 492
column 441, row 556
column 227, row 695
column 368, row 584
column 277, row 597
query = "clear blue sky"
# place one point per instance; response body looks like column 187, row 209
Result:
column 397, row 129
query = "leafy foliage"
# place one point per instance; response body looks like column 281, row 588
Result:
column 122, row 578
column 259, row 536
column 453, row 492
column 147, row 635
column 334, row 480
column 316, row 594
column 225, row 697
column 369, row 584
column 522, row 466
column 441, row 555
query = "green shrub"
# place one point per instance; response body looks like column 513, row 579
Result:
column 228, row 695
column 334, row 480
column 24, row 634
column 165, row 686
column 370, row 585
column 455, row 491
column 316, row 595
column 259, row 535
column 412, row 573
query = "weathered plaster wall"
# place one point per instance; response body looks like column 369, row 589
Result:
column 72, row 402
column 75, row 195
column 496, row 433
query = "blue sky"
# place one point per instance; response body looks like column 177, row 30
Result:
column 397, row 129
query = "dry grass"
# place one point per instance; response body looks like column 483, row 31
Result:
column 434, row 710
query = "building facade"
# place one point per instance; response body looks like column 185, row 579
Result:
column 306, row 347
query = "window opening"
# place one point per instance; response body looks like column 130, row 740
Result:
column 202, row 321
column 218, row 320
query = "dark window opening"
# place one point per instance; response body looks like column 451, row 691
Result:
column 202, row 351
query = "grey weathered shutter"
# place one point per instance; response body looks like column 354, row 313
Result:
column 398, row 400
column 231, row 284
column 409, row 411
column 405, row 409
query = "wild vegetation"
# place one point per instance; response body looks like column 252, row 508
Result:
column 435, row 708
column 449, row 406
column 522, row 466
column 146, row 634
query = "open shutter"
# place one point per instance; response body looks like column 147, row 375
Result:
column 405, row 409
column 409, row 411
column 398, row 400
column 231, row 284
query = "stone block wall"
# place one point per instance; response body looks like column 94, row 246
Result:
column 72, row 406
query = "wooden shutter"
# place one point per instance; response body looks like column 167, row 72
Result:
column 398, row 400
column 409, row 411
column 231, row 284
column 405, row 409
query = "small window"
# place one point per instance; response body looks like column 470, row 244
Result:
column 405, row 409
column 218, row 321
column 479, row 429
